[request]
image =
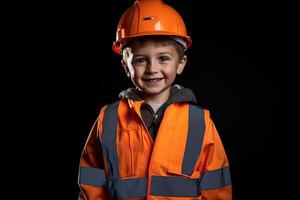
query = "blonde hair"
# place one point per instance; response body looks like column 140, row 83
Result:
column 157, row 39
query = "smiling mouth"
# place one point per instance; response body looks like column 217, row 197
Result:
column 152, row 79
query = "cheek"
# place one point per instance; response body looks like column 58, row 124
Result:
column 138, row 71
column 170, row 72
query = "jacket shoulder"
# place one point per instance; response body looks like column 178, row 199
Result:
column 197, row 106
column 110, row 105
column 205, row 112
column 113, row 104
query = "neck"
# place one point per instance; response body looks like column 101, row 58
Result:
column 158, row 98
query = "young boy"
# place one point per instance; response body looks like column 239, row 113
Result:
column 155, row 142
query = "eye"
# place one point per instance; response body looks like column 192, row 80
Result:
column 139, row 61
column 164, row 58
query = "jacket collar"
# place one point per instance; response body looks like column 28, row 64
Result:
column 178, row 94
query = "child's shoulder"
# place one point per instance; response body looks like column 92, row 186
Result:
column 196, row 105
column 111, row 105
column 197, row 109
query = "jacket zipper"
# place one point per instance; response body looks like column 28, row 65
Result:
column 150, row 161
column 154, row 115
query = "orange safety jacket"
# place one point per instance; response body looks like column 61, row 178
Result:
column 121, row 161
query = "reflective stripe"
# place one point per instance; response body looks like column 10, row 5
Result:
column 174, row 186
column 109, row 134
column 215, row 179
column 194, row 139
column 130, row 188
column 92, row 176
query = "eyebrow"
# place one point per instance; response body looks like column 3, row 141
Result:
column 161, row 53
column 166, row 52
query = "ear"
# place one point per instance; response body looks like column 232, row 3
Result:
column 125, row 66
column 181, row 65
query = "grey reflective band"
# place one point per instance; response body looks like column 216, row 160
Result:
column 215, row 179
column 174, row 186
column 130, row 188
column 194, row 139
column 92, row 176
column 109, row 134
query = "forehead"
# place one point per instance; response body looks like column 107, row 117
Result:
column 156, row 45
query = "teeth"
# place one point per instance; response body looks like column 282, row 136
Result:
column 155, row 80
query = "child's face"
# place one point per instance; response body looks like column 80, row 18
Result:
column 153, row 67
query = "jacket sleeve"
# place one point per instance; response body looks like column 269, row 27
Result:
column 92, row 176
column 215, row 181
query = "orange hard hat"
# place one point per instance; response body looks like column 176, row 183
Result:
column 150, row 17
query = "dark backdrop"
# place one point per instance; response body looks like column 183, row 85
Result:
column 237, row 68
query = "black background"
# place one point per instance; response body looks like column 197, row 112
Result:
column 238, row 68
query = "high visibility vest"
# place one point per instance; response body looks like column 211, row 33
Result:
column 121, row 161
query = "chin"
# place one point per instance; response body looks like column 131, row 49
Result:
column 155, row 91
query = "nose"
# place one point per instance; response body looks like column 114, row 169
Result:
column 151, row 68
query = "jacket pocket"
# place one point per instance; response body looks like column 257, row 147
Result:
column 129, row 148
column 176, row 171
column 179, row 169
